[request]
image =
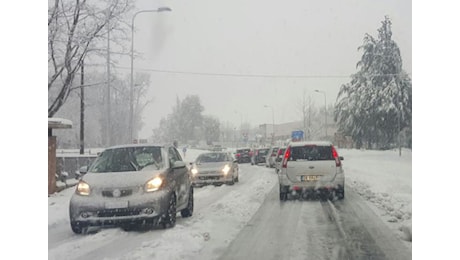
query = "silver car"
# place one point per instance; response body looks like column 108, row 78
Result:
column 279, row 158
column 214, row 168
column 132, row 185
column 311, row 169
column 271, row 156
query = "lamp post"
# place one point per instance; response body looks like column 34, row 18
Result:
column 325, row 109
column 273, row 123
column 131, row 98
column 241, row 125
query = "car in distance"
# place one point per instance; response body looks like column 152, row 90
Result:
column 214, row 168
column 271, row 156
column 217, row 148
column 311, row 169
column 132, row 185
column 279, row 158
column 243, row 155
column 259, row 155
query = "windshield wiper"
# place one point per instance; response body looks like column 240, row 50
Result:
column 150, row 163
column 136, row 167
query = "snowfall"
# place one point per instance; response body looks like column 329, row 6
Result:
column 383, row 179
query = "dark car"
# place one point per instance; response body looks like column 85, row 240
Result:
column 243, row 155
column 259, row 156
column 133, row 185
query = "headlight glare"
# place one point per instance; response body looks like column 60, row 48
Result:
column 226, row 169
column 83, row 188
column 194, row 171
column 153, row 184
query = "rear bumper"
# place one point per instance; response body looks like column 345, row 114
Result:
column 337, row 183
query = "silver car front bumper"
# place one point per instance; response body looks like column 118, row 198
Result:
column 95, row 211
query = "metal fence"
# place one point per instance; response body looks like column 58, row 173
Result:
column 71, row 164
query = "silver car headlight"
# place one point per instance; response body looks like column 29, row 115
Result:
column 226, row 169
column 153, row 184
column 194, row 171
column 83, row 189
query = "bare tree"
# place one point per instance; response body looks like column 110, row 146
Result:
column 73, row 27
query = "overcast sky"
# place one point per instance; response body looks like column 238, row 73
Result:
column 258, row 53
column 299, row 46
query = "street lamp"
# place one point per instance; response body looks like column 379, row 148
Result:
column 325, row 109
column 273, row 123
column 241, row 124
column 131, row 98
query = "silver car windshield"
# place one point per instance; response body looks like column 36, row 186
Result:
column 128, row 159
column 211, row 157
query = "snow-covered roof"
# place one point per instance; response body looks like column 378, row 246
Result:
column 301, row 143
column 54, row 122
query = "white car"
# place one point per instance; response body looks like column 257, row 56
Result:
column 271, row 156
column 279, row 158
column 311, row 169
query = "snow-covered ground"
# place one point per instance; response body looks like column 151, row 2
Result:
column 382, row 178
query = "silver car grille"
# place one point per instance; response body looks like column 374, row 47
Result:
column 115, row 193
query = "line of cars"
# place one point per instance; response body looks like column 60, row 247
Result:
column 143, row 185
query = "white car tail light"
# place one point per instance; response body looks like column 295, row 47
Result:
column 338, row 163
column 286, row 157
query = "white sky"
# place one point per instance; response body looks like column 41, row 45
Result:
column 306, row 38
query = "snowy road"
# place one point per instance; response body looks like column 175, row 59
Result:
column 316, row 230
column 242, row 221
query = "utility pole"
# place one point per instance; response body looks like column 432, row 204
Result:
column 82, row 109
column 309, row 117
column 399, row 116
column 109, row 123
column 273, row 123
column 325, row 110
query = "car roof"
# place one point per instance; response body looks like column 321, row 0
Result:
column 302, row 143
column 218, row 152
column 136, row 145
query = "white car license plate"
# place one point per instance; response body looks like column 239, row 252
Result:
column 116, row 204
column 309, row 178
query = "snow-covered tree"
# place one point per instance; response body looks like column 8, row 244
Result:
column 377, row 104
column 74, row 28
column 211, row 129
column 184, row 123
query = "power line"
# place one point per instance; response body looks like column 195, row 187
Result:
column 241, row 75
column 229, row 74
